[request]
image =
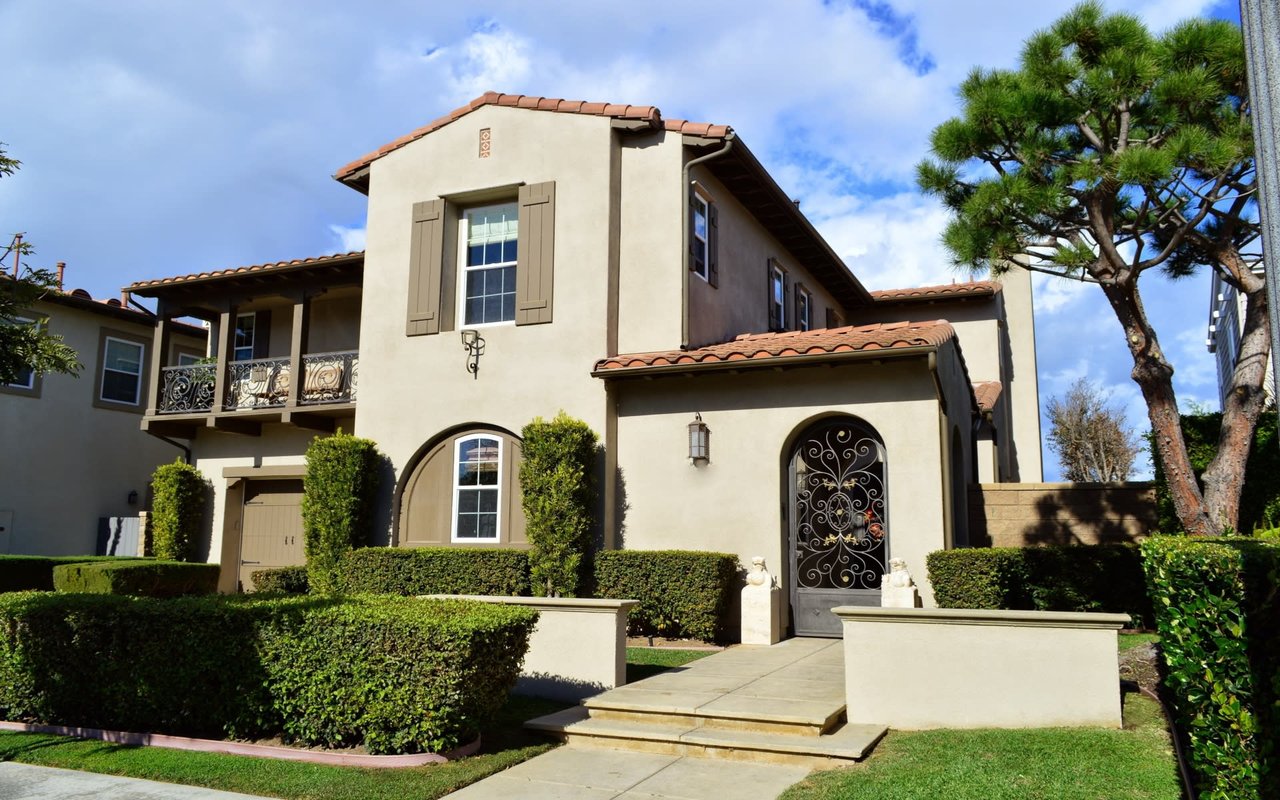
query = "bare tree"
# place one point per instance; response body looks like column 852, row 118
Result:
column 1093, row 440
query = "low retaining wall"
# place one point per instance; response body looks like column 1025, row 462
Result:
column 1023, row 514
column 578, row 649
column 922, row 668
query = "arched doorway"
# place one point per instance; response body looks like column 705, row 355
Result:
column 839, row 533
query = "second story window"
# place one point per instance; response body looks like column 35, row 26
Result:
column 121, row 371
column 804, row 310
column 245, row 330
column 489, row 264
column 26, row 377
column 777, row 297
column 700, row 246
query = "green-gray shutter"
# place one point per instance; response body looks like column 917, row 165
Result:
column 261, row 334
column 426, row 259
column 713, row 245
column 535, row 253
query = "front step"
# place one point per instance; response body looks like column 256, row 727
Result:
column 683, row 736
column 758, row 715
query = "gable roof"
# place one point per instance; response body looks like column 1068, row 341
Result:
column 297, row 264
column 966, row 289
column 764, row 349
column 649, row 116
column 987, row 393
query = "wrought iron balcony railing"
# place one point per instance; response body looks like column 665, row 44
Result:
column 261, row 383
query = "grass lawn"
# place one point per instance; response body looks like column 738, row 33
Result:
column 643, row 662
column 1128, row 641
column 1044, row 764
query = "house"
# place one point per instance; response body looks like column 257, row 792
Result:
column 74, row 455
column 646, row 275
column 1226, row 326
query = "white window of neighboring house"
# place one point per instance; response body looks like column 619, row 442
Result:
column 700, row 248
column 804, row 305
column 121, row 371
column 488, row 264
column 26, row 378
column 243, row 350
column 777, row 299
column 477, row 488
column 186, row 359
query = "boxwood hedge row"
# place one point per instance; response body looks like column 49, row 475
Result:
column 681, row 592
column 434, row 570
column 1218, row 614
column 143, row 578
column 397, row 675
column 35, row 573
column 1104, row 577
column 280, row 580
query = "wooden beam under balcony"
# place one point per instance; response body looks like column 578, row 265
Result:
column 237, row 423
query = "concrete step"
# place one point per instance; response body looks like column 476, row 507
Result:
column 769, row 714
column 688, row 737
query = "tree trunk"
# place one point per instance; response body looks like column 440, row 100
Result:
column 1224, row 477
column 1154, row 376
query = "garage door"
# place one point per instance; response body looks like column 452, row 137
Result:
column 271, row 527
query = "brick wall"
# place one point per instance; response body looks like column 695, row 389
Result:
column 1021, row 514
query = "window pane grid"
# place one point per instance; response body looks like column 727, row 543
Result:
column 121, row 371
column 490, row 265
column 476, row 488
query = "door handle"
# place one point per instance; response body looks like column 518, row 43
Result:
column 250, row 562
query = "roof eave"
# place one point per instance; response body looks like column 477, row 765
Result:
column 771, row 362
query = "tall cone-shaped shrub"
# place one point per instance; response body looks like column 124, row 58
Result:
column 177, row 507
column 337, row 504
column 557, row 480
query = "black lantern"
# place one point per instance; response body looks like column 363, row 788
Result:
column 699, row 441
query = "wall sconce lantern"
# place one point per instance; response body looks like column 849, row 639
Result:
column 699, row 441
column 133, row 498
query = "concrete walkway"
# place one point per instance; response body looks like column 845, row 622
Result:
column 28, row 782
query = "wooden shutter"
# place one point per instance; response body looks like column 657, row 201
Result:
column 774, row 322
column 695, row 253
column 713, row 245
column 535, row 253
column 426, row 259
column 786, row 291
column 261, row 334
column 799, row 296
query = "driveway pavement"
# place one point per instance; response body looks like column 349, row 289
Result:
column 27, row 782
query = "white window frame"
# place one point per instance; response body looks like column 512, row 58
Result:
column 458, row 489
column 253, row 339
column 188, row 359
column 703, row 204
column 30, row 385
column 463, row 269
column 142, row 357
column 778, row 294
column 804, row 312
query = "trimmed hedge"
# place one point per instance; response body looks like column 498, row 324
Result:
column 338, row 494
column 177, row 510
column 280, row 580
column 144, row 579
column 394, row 674
column 1101, row 577
column 35, row 573
column 434, row 570
column 681, row 592
column 1218, row 613
column 557, row 494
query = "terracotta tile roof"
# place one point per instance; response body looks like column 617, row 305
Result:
column 760, row 346
column 944, row 291
column 647, row 114
column 256, row 268
column 987, row 393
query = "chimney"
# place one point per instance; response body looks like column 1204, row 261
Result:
column 62, row 269
column 124, row 298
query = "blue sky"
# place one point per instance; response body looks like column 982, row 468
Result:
column 161, row 138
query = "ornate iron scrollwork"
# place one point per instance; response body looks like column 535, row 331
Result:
column 261, row 383
column 841, row 534
column 186, row 390
column 329, row 377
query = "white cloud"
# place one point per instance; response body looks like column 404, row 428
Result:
column 1053, row 294
column 347, row 239
column 489, row 59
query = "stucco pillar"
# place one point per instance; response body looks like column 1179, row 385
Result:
column 226, row 349
column 297, row 342
column 159, row 355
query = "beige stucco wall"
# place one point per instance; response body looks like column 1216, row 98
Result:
column 67, row 462
column 740, row 302
column 734, row 503
column 916, row 669
column 335, row 322
column 1027, row 514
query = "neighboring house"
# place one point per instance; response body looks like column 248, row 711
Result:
column 73, row 453
column 646, row 275
column 1226, row 325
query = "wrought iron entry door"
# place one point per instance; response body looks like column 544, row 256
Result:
column 839, row 534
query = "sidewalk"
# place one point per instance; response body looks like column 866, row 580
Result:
column 27, row 782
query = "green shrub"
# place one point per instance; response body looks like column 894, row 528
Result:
column 1218, row 614
column 434, row 570
column 1260, row 495
column 142, row 578
column 557, row 482
column 1103, row 577
column 393, row 674
column 35, row 573
column 177, row 509
column 338, row 493
column 280, row 580
column 681, row 592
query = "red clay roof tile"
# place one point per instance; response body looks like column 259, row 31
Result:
column 218, row 273
column 965, row 289
column 649, row 114
column 987, row 393
column 880, row 336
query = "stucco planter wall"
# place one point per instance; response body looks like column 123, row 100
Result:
column 916, row 669
column 578, row 649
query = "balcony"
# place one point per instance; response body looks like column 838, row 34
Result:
column 262, row 383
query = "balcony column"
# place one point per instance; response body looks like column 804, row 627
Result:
column 297, row 342
column 159, row 358
column 226, row 349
